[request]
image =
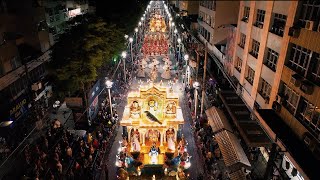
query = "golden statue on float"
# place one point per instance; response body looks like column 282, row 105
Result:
column 152, row 118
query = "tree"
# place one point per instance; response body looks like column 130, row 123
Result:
column 80, row 52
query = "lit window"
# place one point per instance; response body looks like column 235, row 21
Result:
column 250, row 75
column 299, row 59
column 291, row 99
column 279, row 23
column 265, row 89
column 260, row 18
column 242, row 40
column 238, row 64
column 315, row 69
column 309, row 115
column 271, row 59
column 255, row 48
column 246, row 13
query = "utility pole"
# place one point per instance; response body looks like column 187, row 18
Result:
column 198, row 59
column 270, row 164
column 204, row 78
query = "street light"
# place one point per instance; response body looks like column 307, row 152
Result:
column 196, row 86
column 186, row 57
column 179, row 41
column 136, row 30
column 124, row 54
column 109, row 86
column 126, row 36
column 131, row 40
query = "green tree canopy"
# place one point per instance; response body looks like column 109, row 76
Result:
column 80, row 52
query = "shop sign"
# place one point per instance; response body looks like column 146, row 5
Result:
column 19, row 108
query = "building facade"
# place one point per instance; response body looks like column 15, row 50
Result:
column 214, row 16
column 276, row 63
column 27, row 30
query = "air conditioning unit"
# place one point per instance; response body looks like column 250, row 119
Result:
column 296, row 80
column 309, row 25
column 294, row 32
column 276, row 106
column 307, row 87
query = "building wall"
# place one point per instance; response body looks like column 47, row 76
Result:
column 267, row 40
column 303, row 119
column 192, row 7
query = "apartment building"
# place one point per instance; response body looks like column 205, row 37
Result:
column 58, row 13
column 24, row 47
column 276, row 62
column 188, row 8
column 214, row 16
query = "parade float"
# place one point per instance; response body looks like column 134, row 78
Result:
column 152, row 120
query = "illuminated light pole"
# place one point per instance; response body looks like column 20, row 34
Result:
column 124, row 54
column 172, row 29
column 196, row 86
column 179, row 41
column 109, row 86
column 136, row 31
column 174, row 39
column 131, row 40
column 186, row 58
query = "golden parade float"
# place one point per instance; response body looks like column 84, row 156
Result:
column 152, row 119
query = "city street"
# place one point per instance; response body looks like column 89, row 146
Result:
column 197, row 164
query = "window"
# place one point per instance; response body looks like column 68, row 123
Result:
column 309, row 114
column 260, row 18
column 271, row 59
column 208, row 4
column 291, row 99
column 299, row 59
column 315, row 68
column 246, row 13
column 310, row 11
column 279, row 23
column 250, row 75
column 265, row 89
column 238, row 64
column 242, row 40
column 255, row 48
column 204, row 33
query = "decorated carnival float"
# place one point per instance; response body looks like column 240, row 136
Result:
column 152, row 120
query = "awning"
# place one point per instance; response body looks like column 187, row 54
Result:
column 233, row 155
column 249, row 129
column 238, row 175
